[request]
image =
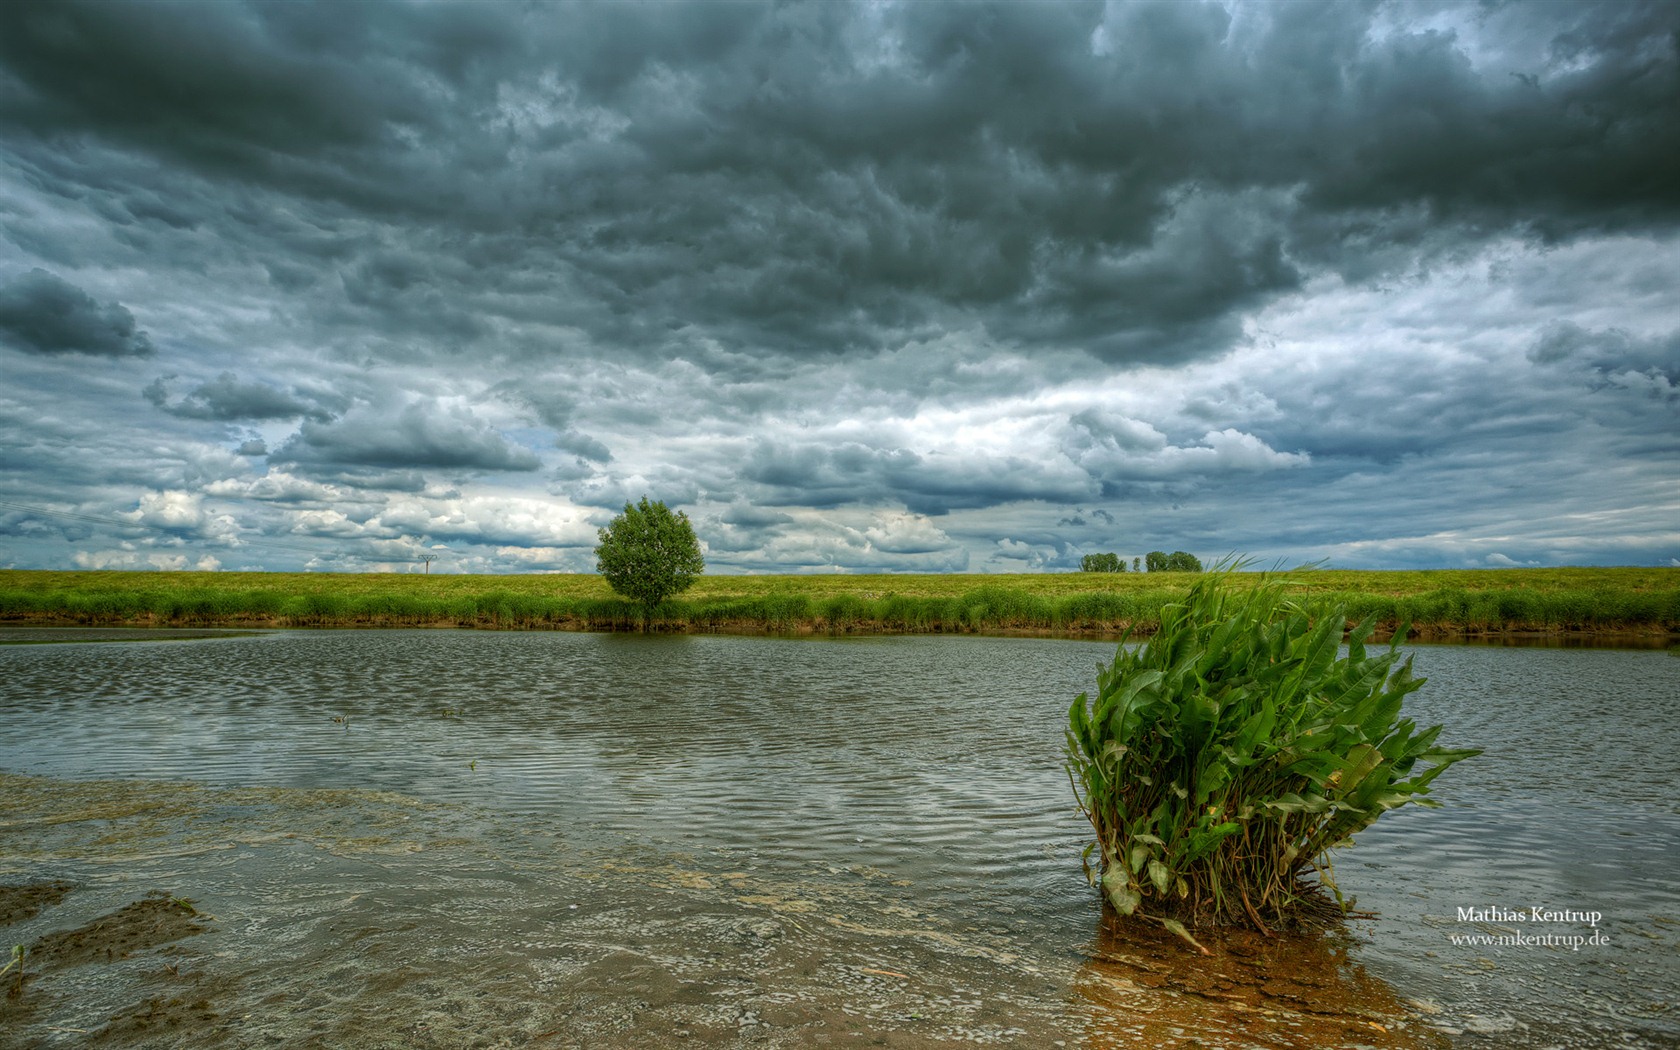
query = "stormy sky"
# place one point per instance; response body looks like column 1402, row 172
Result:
column 860, row 287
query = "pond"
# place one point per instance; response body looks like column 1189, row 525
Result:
column 447, row 838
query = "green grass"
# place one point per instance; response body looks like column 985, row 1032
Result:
column 1439, row 603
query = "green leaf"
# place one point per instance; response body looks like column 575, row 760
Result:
column 1119, row 893
column 1160, row 876
column 1178, row 928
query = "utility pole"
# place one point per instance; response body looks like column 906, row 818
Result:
column 427, row 558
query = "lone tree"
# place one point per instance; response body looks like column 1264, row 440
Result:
column 648, row 554
column 1102, row 563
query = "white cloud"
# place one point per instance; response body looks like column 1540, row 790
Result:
column 182, row 515
column 281, row 487
column 495, row 520
column 176, row 511
column 1120, row 448
column 143, row 561
column 907, row 534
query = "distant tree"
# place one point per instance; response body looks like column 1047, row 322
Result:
column 1137, row 564
column 1101, row 563
column 1180, row 561
column 1177, row 561
column 648, row 554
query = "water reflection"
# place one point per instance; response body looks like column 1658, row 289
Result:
column 1142, row 987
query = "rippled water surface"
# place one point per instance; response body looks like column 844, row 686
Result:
column 438, row 838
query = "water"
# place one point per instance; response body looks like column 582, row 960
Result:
column 417, row 838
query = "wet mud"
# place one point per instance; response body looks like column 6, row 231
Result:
column 155, row 919
column 25, row 901
column 33, row 988
column 55, row 635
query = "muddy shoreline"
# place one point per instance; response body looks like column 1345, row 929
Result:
column 34, row 628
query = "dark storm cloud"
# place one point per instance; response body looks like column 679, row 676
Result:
column 1579, row 133
column 821, row 475
column 1162, row 272
column 1612, row 353
column 1124, row 179
column 223, row 85
column 750, row 516
column 1077, row 519
column 26, row 524
column 555, row 406
column 41, row 313
column 416, row 437
column 225, row 398
column 583, row 446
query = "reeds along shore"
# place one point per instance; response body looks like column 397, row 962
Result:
column 1436, row 604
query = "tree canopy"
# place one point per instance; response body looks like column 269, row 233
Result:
column 648, row 553
column 1177, row 561
column 1108, row 562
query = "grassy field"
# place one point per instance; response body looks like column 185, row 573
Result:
column 1444, row 602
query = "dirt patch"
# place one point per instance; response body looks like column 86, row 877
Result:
column 158, row 918
column 158, row 1016
column 50, row 635
column 1297, row 990
column 25, row 901
column 148, row 922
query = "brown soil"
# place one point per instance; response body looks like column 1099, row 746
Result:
column 150, row 626
column 148, row 922
column 18, row 903
column 159, row 1016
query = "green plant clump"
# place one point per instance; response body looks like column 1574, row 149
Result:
column 1223, row 759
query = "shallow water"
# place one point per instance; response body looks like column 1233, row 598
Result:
column 417, row 838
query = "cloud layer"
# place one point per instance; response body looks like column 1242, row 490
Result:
column 892, row 286
column 43, row 314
